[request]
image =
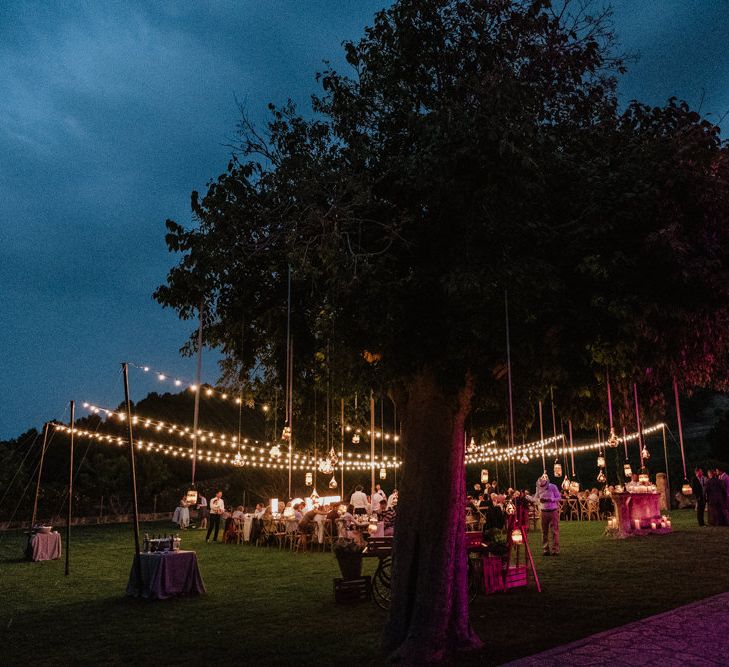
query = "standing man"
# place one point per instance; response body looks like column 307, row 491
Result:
column 217, row 507
column 721, row 474
column 359, row 501
column 698, row 487
column 548, row 497
column 377, row 497
column 202, row 510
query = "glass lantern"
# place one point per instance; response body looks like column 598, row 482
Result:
column 383, row 473
column 600, row 461
column 645, row 453
column 686, row 488
column 333, row 483
column 557, row 469
column 643, row 477
column 566, row 483
column 627, row 470
column 484, row 476
column 601, row 478
column 574, row 486
column 309, row 479
column 516, row 536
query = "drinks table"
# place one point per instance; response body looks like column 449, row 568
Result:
column 165, row 574
column 45, row 546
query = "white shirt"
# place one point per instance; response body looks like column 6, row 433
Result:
column 238, row 514
column 377, row 496
column 217, row 506
column 359, row 500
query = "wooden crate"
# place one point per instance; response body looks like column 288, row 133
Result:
column 516, row 575
column 348, row 591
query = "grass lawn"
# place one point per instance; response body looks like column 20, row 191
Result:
column 272, row 607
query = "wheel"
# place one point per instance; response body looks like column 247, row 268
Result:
column 381, row 591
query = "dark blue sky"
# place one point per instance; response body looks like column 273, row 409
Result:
column 111, row 113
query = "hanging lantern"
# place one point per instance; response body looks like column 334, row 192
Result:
column 191, row 496
column 686, row 488
column 471, row 449
column 600, row 461
column 309, row 479
column 612, row 441
column 643, row 477
column 325, row 467
column 645, row 453
column 516, row 536
column 333, row 458
column 314, row 496
column 574, row 486
column 524, row 458
column 286, row 433
column 332, row 483
column 238, row 461
column 383, row 473
column 601, row 477
column 484, row 476
column 275, row 451
column 566, row 483
column 557, row 469
column 627, row 470
column 355, row 439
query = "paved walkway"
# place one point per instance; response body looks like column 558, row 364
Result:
column 696, row 634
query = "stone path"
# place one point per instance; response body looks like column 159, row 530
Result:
column 696, row 634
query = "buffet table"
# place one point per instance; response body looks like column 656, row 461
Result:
column 637, row 514
column 166, row 574
column 45, row 546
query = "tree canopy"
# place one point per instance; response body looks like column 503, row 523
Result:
column 474, row 148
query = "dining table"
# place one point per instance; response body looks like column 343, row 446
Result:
column 45, row 546
column 165, row 574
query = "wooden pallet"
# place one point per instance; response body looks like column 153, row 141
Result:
column 349, row 591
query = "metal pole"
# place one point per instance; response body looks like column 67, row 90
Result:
column 135, row 509
column 198, row 379
column 610, row 401
column 70, row 491
column 372, row 439
column 291, row 411
column 40, row 474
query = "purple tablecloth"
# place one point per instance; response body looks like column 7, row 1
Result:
column 166, row 575
column 45, row 546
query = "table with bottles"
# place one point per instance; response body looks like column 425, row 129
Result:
column 164, row 571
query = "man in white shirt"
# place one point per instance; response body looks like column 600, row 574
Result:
column 359, row 500
column 377, row 497
column 548, row 497
column 217, row 507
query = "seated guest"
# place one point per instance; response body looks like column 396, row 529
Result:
column 387, row 516
column 392, row 499
column 238, row 513
column 258, row 512
column 307, row 525
column 299, row 511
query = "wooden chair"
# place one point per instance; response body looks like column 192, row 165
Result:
column 593, row 511
column 573, row 509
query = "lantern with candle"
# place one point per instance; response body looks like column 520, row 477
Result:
column 643, row 477
column 557, row 468
column 627, row 470
column 516, row 536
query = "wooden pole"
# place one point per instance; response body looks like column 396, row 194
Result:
column 372, row 440
column 680, row 427
column 668, row 477
column 637, row 421
column 541, row 435
column 610, row 401
column 291, row 412
column 198, row 379
column 508, row 373
column 70, row 491
column 135, row 508
column 40, row 474
column 341, row 457
column 572, row 449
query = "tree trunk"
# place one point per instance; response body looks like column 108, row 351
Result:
column 429, row 619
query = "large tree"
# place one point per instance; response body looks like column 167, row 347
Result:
column 474, row 148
